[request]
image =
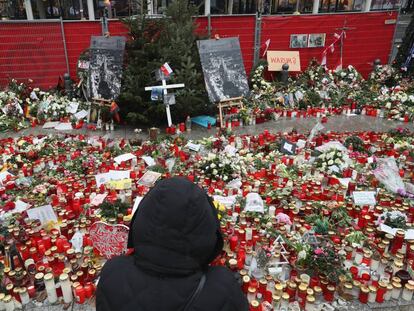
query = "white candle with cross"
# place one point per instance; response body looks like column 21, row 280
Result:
column 165, row 89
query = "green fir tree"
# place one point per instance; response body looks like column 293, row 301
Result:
column 155, row 41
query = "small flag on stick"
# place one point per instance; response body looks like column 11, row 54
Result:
column 166, row 69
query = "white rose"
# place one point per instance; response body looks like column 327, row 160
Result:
column 330, row 162
column 215, row 172
column 225, row 178
column 338, row 161
column 213, row 165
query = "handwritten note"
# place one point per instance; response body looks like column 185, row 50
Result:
column 254, row 203
column 98, row 199
column 364, row 197
column 44, row 213
column 124, row 157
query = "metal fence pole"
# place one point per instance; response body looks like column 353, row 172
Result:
column 209, row 25
column 64, row 45
column 257, row 38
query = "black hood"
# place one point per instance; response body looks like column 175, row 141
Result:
column 175, row 230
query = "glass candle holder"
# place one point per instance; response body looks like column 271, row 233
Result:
column 396, row 291
column 66, row 288
column 50, row 288
column 372, row 295
column 363, row 294
column 407, row 293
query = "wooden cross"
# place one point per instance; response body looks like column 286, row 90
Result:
column 165, row 89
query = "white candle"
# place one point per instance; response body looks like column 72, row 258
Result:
column 24, row 296
column 50, row 288
column 2, row 306
column 66, row 288
column 407, row 293
column 8, row 303
column 272, row 210
column 396, row 291
column 388, row 293
column 372, row 294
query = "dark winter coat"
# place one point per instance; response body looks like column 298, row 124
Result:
column 175, row 233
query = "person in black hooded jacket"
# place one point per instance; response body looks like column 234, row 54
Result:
column 175, row 234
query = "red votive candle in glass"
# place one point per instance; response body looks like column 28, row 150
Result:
column 363, row 294
column 382, row 289
column 397, row 242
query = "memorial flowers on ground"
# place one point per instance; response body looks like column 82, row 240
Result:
column 288, row 219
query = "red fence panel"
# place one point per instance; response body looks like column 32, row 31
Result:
column 35, row 50
column 369, row 37
column 31, row 50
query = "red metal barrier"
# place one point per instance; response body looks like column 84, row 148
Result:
column 35, row 49
column 32, row 51
column 369, row 37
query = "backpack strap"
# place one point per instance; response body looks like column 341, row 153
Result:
column 196, row 293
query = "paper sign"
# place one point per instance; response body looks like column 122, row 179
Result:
column 226, row 201
column 276, row 59
column 3, row 175
column 170, row 164
column 118, row 175
column 50, row 125
column 287, row 147
column 388, row 229
column 121, row 184
column 77, row 241
column 37, row 141
column 230, row 150
column 149, row 160
column 364, row 197
column 64, row 126
column 98, row 199
column 136, row 204
column 109, row 240
column 44, row 213
column 72, row 107
column 254, row 203
column 149, row 178
column 102, row 179
column 20, row 207
column 81, row 114
column 344, row 181
column 124, row 157
column 193, row 147
column 301, row 143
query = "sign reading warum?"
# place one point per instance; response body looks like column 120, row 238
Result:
column 276, row 59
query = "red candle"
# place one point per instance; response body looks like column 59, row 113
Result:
column 363, row 294
column 233, row 242
column 80, row 294
column 88, row 290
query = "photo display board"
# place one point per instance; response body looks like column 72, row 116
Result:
column 223, row 68
column 105, row 67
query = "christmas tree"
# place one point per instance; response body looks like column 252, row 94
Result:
column 155, row 41
column 405, row 49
